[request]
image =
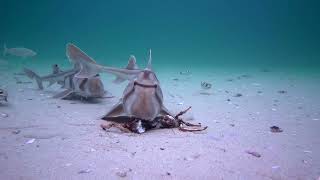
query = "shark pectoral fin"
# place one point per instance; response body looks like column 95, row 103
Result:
column 51, row 82
column 116, row 111
column 119, row 119
column 165, row 111
column 64, row 94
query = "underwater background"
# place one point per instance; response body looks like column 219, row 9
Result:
column 185, row 34
column 250, row 70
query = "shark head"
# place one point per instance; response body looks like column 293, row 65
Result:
column 147, row 77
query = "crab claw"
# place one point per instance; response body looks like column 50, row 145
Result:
column 192, row 128
column 189, row 124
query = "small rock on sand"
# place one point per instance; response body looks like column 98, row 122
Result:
column 121, row 174
column 30, row 141
column 253, row 153
column 238, row 95
column 4, row 115
column 282, row 92
column 84, row 171
column 275, row 129
column 16, row 131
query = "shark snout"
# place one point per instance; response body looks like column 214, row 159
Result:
column 146, row 73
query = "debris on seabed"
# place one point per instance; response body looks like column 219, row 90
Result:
column 275, row 129
column 4, row 115
column 275, row 167
column 121, row 174
column 16, row 131
column 237, row 95
column 30, row 141
column 282, row 92
column 305, row 161
column 185, row 72
column 180, row 103
column 84, row 171
column 253, row 153
column 206, row 85
column 68, row 164
column 205, row 93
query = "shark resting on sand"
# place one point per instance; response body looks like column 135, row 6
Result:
column 72, row 80
column 141, row 107
column 81, row 86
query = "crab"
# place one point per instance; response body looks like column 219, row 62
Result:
column 136, row 125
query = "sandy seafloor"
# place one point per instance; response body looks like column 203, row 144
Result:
column 69, row 143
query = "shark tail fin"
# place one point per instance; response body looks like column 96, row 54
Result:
column 33, row 75
column 5, row 49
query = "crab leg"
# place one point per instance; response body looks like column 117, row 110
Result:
column 188, row 124
column 188, row 127
column 182, row 113
column 192, row 129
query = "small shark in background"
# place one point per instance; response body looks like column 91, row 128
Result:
column 132, row 65
column 19, row 51
column 57, row 76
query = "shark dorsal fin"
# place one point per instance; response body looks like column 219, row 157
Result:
column 75, row 54
column 149, row 65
